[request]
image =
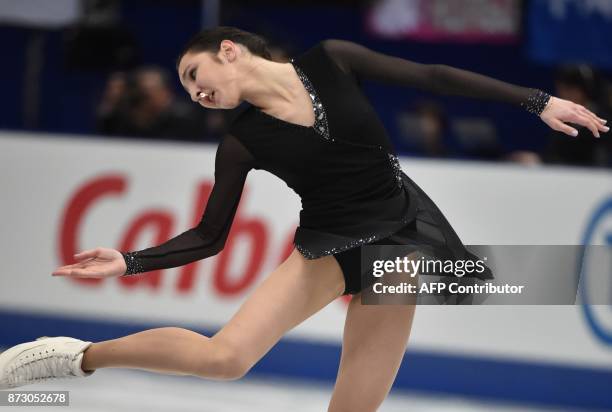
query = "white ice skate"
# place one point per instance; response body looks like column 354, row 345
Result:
column 44, row 359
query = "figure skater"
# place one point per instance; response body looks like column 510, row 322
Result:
column 307, row 122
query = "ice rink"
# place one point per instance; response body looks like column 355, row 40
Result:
column 133, row 390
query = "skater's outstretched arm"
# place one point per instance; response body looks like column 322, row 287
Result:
column 232, row 164
column 365, row 63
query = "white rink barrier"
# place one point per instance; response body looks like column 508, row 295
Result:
column 65, row 194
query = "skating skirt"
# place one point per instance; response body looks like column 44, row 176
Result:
column 428, row 232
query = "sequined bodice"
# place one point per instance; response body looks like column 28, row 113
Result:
column 343, row 167
column 321, row 126
column 353, row 134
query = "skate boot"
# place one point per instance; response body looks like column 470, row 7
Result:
column 46, row 358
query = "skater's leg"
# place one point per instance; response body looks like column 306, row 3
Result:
column 374, row 342
column 169, row 350
column 294, row 291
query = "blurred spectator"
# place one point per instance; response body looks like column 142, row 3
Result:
column 109, row 114
column 477, row 138
column 428, row 131
column 143, row 104
column 424, row 130
column 581, row 85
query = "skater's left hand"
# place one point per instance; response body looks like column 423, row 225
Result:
column 559, row 111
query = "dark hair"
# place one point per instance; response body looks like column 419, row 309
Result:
column 209, row 40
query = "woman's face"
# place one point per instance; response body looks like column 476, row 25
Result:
column 216, row 75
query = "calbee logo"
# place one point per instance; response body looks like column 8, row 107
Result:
column 598, row 232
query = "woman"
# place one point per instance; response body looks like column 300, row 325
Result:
column 309, row 124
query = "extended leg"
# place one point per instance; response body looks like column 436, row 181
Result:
column 297, row 289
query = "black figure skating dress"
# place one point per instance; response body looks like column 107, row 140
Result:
column 344, row 167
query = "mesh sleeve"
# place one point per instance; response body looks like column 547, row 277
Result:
column 232, row 164
column 364, row 63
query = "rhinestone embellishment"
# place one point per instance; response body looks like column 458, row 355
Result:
column 397, row 169
column 133, row 263
column 310, row 255
column 320, row 125
column 536, row 102
column 337, row 249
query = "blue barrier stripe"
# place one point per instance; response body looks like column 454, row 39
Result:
column 496, row 380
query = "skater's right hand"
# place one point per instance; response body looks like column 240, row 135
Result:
column 95, row 263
